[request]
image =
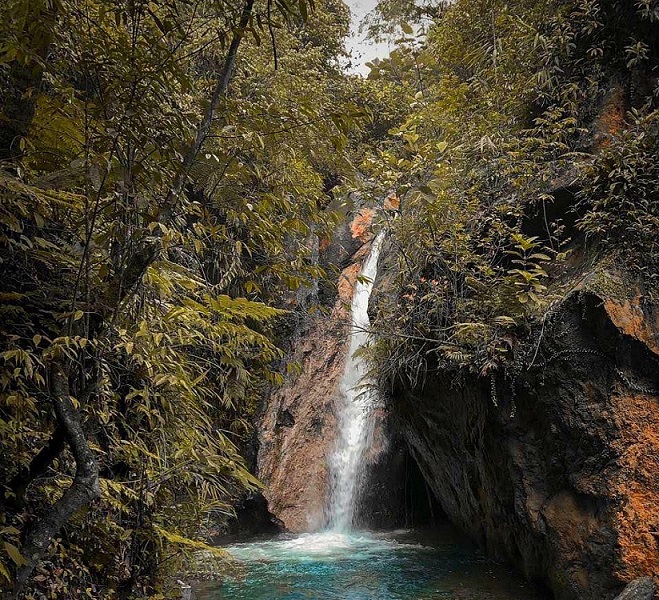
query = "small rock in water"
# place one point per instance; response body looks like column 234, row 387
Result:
column 642, row 588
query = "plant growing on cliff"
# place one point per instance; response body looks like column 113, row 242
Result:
column 619, row 199
column 528, row 274
column 511, row 105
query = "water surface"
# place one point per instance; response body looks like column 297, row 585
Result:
column 365, row 566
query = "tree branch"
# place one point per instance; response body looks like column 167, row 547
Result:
column 144, row 256
column 85, row 486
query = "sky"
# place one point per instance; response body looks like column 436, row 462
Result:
column 363, row 51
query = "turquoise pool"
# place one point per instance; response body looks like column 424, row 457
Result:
column 365, row 566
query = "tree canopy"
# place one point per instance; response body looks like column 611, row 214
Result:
column 164, row 166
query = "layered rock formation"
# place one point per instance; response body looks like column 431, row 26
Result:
column 557, row 472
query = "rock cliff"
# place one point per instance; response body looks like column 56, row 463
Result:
column 297, row 430
column 557, row 471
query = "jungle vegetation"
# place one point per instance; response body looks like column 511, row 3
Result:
column 165, row 167
column 528, row 147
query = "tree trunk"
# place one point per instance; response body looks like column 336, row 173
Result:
column 85, row 486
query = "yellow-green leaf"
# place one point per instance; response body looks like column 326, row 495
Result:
column 15, row 555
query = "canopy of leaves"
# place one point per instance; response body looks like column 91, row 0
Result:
column 161, row 305
column 530, row 129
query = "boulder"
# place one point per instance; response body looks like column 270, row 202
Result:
column 642, row 588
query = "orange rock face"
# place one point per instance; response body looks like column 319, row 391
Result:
column 392, row 202
column 568, row 489
column 348, row 279
column 298, row 428
column 361, row 224
column 637, row 485
column 346, row 284
column 629, row 318
column 612, row 118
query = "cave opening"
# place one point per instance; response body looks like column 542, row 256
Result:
column 421, row 510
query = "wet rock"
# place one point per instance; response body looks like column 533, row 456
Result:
column 342, row 253
column 297, row 431
column 642, row 588
column 186, row 590
column 298, row 426
column 380, row 498
column 252, row 517
column 556, row 471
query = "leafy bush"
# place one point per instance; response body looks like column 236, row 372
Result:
column 620, row 195
column 509, row 104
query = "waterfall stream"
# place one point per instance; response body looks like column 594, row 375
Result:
column 356, row 402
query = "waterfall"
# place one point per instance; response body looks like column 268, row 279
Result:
column 356, row 402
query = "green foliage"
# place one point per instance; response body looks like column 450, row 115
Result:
column 391, row 18
column 619, row 199
column 507, row 103
column 151, row 237
column 528, row 274
column 164, row 307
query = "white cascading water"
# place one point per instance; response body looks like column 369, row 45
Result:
column 356, row 403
